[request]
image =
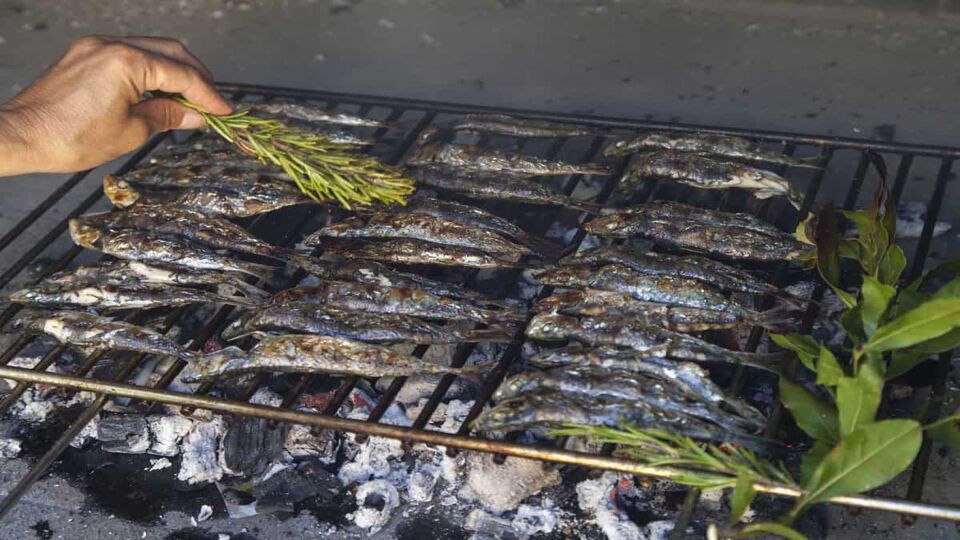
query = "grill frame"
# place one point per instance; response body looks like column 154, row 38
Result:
column 827, row 146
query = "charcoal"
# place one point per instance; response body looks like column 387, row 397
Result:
column 124, row 434
column 249, row 444
column 489, row 526
column 281, row 490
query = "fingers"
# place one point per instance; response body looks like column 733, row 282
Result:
column 162, row 114
column 166, row 75
column 170, row 48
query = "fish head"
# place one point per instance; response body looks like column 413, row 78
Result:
column 120, row 192
column 549, row 326
column 84, row 234
column 507, row 415
column 31, row 322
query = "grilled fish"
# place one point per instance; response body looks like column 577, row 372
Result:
column 81, row 329
column 154, row 248
column 700, row 230
column 106, row 296
column 472, row 158
column 396, row 300
column 471, row 216
column 650, row 340
column 374, row 273
column 260, row 196
column 661, row 289
column 310, row 318
column 557, row 409
column 708, row 173
column 687, row 377
column 497, row 187
column 517, row 127
column 315, row 354
column 210, row 231
column 620, row 386
column 704, row 144
column 420, row 227
column 596, row 303
column 313, row 113
column 406, row 251
column 125, row 273
column 721, row 275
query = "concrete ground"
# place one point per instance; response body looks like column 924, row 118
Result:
column 875, row 69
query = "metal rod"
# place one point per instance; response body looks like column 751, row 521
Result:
column 599, row 121
column 434, row 437
column 933, row 211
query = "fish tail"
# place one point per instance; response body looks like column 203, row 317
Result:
column 474, row 373
column 247, row 289
column 776, row 316
column 257, row 270
column 584, row 206
column 236, row 329
column 204, row 366
column 770, row 362
column 541, row 246
column 594, row 168
column 812, row 162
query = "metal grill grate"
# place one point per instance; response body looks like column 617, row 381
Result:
column 845, row 166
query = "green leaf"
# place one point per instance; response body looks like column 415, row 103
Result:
column 892, row 265
column 858, row 398
column 906, row 301
column 828, row 257
column 772, row 527
column 947, row 431
column 743, row 494
column 866, row 458
column 811, row 460
column 903, row 361
column 804, row 230
column 807, row 348
column 950, row 290
column 930, row 319
column 876, row 297
column 852, row 323
column 816, row 418
column 828, row 369
column 946, row 268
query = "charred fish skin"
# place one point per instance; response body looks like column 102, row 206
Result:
column 502, row 124
column 471, row 216
column 620, row 386
column 650, row 340
column 471, row 158
column 210, row 231
column 721, row 275
column 314, row 114
column 688, row 377
column 313, row 354
column 730, row 236
column 374, row 273
column 395, row 300
column 707, row 173
column 595, row 303
column 81, row 329
column 93, row 295
column 704, row 144
column 261, row 196
column 661, row 289
column 159, row 249
column 406, row 251
column 497, row 187
column 305, row 318
column 420, row 227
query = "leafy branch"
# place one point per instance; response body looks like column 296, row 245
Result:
column 324, row 170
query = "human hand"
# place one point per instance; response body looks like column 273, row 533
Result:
column 88, row 108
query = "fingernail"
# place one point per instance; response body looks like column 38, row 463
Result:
column 191, row 120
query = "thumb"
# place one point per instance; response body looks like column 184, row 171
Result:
column 162, row 114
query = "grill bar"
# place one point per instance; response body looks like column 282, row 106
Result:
column 827, row 148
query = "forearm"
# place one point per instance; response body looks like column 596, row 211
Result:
column 16, row 152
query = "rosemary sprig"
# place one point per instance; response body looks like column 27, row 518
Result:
column 703, row 465
column 321, row 168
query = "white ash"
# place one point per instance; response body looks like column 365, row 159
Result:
column 529, row 288
column 25, row 362
column 31, row 407
column 422, row 482
column 487, row 525
column 377, row 499
column 10, row 447
column 205, row 512
column 419, row 387
column 659, row 530
column 199, row 462
column 167, row 432
column 88, row 434
column 485, row 481
column 531, row 520
column 159, row 464
column 265, row 396
column 593, row 497
column 311, row 442
column 910, row 218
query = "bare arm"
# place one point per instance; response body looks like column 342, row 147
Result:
column 88, row 107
